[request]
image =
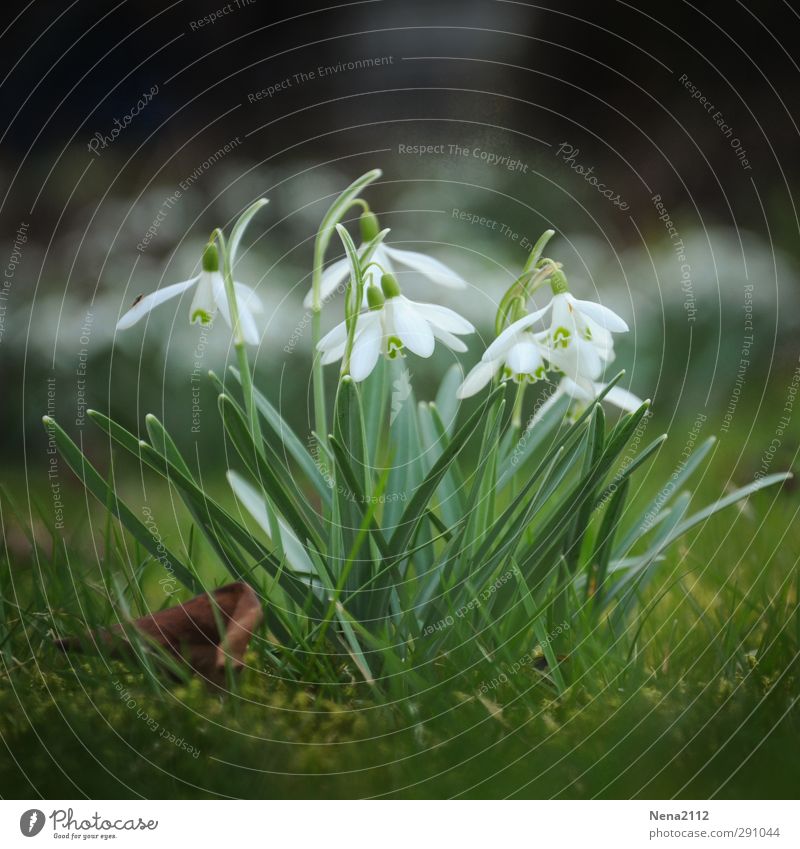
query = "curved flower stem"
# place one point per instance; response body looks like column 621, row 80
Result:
column 516, row 416
column 240, row 345
column 333, row 216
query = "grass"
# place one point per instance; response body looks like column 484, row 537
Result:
column 696, row 697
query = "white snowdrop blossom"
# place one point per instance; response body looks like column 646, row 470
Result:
column 390, row 325
column 385, row 259
column 579, row 338
column 209, row 296
column 578, row 342
column 520, row 353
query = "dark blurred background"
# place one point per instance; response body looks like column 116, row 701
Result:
column 694, row 103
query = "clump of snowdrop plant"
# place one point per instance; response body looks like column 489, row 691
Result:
column 406, row 538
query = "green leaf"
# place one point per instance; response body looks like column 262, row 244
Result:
column 241, row 225
column 93, row 482
column 287, row 440
column 300, row 519
column 418, row 503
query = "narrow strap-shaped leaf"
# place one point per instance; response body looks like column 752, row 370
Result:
column 299, row 519
column 241, row 225
column 598, row 565
column 209, row 515
column 340, row 206
column 286, row 438
column 354, row 485
column 418, row 503
column 94, row 482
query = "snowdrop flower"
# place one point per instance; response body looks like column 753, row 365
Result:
column 579, row 337
column 391, row 324
column 384, row 259
column 209, row 296
column 519, row 352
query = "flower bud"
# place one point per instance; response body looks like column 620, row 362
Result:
column 558, row 282
column 369, row 225
column 375, row 298
column 390, row 286
column 211, row 258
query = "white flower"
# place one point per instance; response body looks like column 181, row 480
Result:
column 336, row 274
column 517, row 350
column 579, row 338
column 389, row 327
column 209, row 296
column 578, row 343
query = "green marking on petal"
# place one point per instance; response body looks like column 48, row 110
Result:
column 202, row 316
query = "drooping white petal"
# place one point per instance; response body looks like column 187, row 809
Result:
column 253, row 502
column 452, row 342
column 246, row 320
column 249, row 328
column 429, row 267
column 366, row 346
column 478, row 377
column 524, row 357
column 508, row 337
column 582, row 391
column 403, row 321
column 248, row 295
column 601, row 315
column 204, row 302
column 601, row 338
column 578, row 360
column 620, row 397
column 154, row 299
column 332, row 277
column 563, row 318
column 334, row 338
column 333, row 354
column 444, row 318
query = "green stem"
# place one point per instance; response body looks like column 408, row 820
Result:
column 240, row 345
column 516, row 416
